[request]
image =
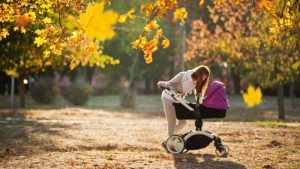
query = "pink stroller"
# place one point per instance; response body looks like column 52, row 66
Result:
column 213, row 105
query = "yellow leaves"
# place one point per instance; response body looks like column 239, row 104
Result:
column 148, row 47
column 164, row 7
column 23, row 16
column 39, row 41
column 123, row 18
column 148, row 58
column 151, row 26
column 181, row 14
column 16, row 28
column 23, row 30
column 219, row 2
column 31, row 15
column 253, row 96
column 296, row 65
column 139, row 42
column 107, row 2
column 12, row 72
column 56, row 46
column 74, row 39
column 97, row 23
column 4, row 33
column 42, row 33
column 47, row 20
column 91, row 48
column 46, row 53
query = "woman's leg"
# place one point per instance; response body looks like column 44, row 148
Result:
column 170, row 115
column 180, row 125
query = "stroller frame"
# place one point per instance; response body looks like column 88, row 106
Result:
column 193, row 140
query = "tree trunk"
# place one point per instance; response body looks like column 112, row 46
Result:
column 128, row 94
column 292, row 95
column 236, row 82
column 22, row 91
column 128, row 98
column 147, row 86
column 155, row 88
column 280, row 97
column 89, row 74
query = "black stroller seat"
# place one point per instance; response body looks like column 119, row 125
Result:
column 182, row 113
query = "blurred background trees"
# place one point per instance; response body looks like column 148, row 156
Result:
column 55, row 42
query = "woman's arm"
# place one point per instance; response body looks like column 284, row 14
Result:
column 171, row 84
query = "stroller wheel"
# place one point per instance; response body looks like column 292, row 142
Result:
column 175, row 144
column 185, row 151
column 222, row 151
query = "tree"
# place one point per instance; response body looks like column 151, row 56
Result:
column 285, row 17
column 132, row 67
column 241, row 38
column 38, row 35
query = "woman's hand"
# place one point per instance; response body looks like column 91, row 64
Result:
column 161, row 84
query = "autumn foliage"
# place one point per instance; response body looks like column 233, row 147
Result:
column 284, row 17
column 57, row 33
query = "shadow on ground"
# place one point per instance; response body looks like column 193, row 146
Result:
column 24, row 137
column 203, row 161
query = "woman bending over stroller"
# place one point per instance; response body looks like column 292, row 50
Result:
column 183, row 83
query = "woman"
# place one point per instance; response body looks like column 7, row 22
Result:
column 183, row 83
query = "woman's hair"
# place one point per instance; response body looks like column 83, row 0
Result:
column 201, row 87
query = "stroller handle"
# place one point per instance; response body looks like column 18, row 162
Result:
column 179, row 99
column 164, row 88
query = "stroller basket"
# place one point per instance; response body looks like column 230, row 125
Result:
column 206, row 112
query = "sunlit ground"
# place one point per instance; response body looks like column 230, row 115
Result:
column 102, row 135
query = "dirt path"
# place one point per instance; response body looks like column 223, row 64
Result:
column 81, row 138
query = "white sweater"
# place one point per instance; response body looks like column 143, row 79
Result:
column 182, row 84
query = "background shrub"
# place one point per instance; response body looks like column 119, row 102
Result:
column 44, row 90
column 78, row 92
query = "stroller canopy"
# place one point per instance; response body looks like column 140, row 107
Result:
column 216, row 96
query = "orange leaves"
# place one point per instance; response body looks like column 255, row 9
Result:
column 181, row 14
column 97, row 22
column 150, row 46
column 235, row 1
column 165, row 43
column 147, row 9
column 201, row 3
column 161, row 9
column 268, row 4
column 90, row 48
column 151, row 26
column 22, row 21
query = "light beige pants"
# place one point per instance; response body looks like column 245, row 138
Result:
column 169, row 109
